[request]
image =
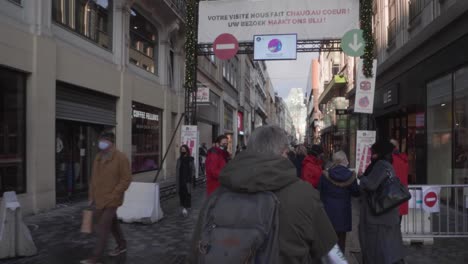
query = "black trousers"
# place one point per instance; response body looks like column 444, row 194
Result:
column 185, row 195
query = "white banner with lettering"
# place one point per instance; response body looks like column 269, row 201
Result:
column 329, row 19
column 365, row 90
column 364, row 141
column 190, row 137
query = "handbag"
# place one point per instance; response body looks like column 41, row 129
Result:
column 390, row 194
column 87, row 222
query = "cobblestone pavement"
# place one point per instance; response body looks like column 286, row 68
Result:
column 56, row 234
column 59, row 241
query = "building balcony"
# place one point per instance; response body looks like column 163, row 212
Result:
column 333, row 88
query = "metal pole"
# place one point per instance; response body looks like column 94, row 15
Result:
column 169, row 147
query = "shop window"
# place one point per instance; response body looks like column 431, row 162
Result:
column 12, row 131
column 146, row 138
column 461, row 126
column 228, row 118
column 143, row 42
column 89, row 18
column 439, row 131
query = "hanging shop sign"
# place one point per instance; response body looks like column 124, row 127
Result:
column 364, row 141
column 203, row 95
column 365, row 90
column 329, row 19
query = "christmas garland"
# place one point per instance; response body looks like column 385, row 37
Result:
column 191, row 45
column 365, row 16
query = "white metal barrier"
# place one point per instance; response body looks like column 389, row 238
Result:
column 436, row 211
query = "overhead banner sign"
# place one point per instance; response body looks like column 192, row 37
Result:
column 329, row 19
column 365, row 90
column 364, row 141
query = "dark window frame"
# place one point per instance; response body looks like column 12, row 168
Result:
column 23, row 85
column 152, row 110
column 66, row 24
column 155, row 44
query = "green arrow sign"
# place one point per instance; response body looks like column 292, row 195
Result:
column 353, row 43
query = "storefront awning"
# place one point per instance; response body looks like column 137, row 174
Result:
column 337, row 82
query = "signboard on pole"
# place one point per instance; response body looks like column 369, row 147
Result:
column 329, row 19
column 364, row 141
column 225, row 46
column 365, row 90
column 189, row 137
column 353, row 43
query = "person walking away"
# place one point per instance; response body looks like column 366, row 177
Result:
column 379, row 235
column 185, row 169
column 301, row 153
column 258, row 187
column 400, row 165
column 111, row 177
column 336, row 186
column 312, row 165
column 216, row 159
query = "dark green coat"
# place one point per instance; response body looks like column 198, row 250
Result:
column 305, row 233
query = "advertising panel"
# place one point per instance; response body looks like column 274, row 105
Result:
column 190, row 137
column 311, row 20
column 365, row 90
column 275, row 47
column 364, row 141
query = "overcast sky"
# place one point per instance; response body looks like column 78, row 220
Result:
column 291, row 73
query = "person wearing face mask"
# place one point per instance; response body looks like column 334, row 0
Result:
column 379, row 235
column 216, row 159
column 312, row 165
column 110, row 179
column 185, row 170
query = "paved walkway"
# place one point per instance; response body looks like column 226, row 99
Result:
column 59, row 241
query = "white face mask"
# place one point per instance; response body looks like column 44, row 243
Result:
column 103, row 145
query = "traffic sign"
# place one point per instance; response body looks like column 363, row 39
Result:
column 225, row 46
column 353, row 43
column 430, row 199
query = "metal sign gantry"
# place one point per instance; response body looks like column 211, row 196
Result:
column 324, row 45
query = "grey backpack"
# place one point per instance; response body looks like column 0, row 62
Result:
column 239, row 228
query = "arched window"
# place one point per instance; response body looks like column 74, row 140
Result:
column 143, row 42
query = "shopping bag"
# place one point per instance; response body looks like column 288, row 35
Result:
column 390, row 194
column 87, row 221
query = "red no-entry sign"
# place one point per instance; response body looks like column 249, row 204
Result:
column 225, row 46
column 430, row 199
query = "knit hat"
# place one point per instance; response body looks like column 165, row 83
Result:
column 382, row 148
column 108, row 135
column 315, row 150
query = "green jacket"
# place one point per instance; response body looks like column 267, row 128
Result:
column 305, row 233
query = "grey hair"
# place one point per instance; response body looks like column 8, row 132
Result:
column 269, row 139
column 339, row 158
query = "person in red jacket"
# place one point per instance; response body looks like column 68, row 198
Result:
column 216, row 159
column 400, row 165
column 312, row 165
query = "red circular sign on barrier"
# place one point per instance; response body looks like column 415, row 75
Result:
column 225, row 46
column 430, row 199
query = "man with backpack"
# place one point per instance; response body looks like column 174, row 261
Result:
column 263, row 213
